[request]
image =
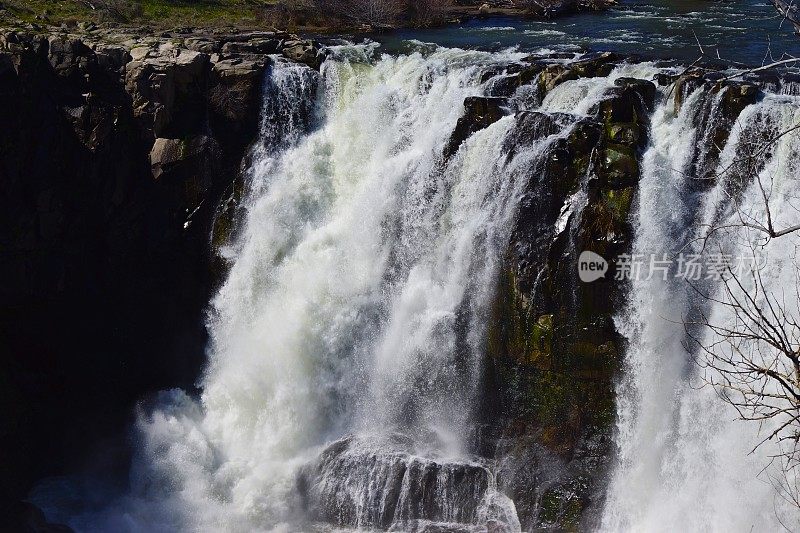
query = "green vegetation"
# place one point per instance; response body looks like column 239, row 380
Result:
column 204, row 11
column 156, row 12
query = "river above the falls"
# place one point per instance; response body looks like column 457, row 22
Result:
column 743, row 31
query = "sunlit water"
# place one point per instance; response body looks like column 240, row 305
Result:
column 745, row 31
column 354, row 314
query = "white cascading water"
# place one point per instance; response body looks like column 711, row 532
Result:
column 347, row 340
column 355, row 305
column 684, row 460
column 362, row 259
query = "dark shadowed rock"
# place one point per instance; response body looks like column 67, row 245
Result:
column 595, row 64
column 167, row 86
column 234, row 98
column 24, row 517
column 104, row 270
column 506, row 80
column 70, row 59
column 112, row 58
column 480, row 112
column 261, row 46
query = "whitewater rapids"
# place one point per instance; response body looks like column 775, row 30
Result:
column 355, row 311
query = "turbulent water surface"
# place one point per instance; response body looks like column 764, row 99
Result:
column 344, row 373
column 684, row 464
column 746, row 31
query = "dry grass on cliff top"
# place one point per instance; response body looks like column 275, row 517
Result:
column 157, row 12
column 305, row 15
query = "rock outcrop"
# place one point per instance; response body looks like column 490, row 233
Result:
column 116, row 148
column 480, row 112
column 383, row 484
column 553, row 349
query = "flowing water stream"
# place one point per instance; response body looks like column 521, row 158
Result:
column 684, row 464
column 745, row 31
column 345, row 369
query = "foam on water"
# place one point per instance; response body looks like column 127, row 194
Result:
column 684, row 461
column 344, row 369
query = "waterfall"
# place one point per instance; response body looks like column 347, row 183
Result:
column 345, row 368
column 353, row 310
column 684, row 460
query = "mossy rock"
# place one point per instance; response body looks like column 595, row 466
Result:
column 628, row 133
column 606, row 218
column 562, row 405
column 540, row 342
column 560, row 507
column 591, row 359
column 646, row 90
column 226, row 215
column 620, row 166
column 617, row 202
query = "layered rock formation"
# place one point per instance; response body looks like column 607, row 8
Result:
column 115, row 150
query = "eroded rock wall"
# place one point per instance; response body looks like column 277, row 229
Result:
column 115, row 149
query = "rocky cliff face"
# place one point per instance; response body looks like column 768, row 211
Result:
column 552, row 346
column 115, row 151
column 552, row 349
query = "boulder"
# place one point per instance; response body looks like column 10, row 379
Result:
column 234, row 98
column 381, row 483
column 554, row 75
column 68, row 56
column 646, row 90
column 259, row 46
column 589, row 66
column 167, row 88
column 505, row 81
column 303, row 51
column 202, row 44
column 167, row 153
column 186, row 170
column 112, row 58
column 595, row 64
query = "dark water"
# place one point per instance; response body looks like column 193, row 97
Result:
column 740, row 30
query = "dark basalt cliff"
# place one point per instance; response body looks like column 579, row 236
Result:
column 114, row 151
